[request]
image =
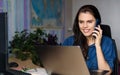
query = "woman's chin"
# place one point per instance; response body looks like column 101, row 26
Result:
column 87, row 34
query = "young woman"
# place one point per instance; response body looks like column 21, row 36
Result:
column 98, row 50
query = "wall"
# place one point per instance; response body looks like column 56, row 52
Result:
column 110, row 14
column 68, row 18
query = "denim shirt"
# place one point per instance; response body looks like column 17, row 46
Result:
column 108, row 50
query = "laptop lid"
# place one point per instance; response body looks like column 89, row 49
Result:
column 63, row 60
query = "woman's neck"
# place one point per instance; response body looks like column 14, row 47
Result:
column 90, row 40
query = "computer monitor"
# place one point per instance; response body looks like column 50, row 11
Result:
column 3, row 42
column 4, row 66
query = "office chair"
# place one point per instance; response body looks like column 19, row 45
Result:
column 107, row 32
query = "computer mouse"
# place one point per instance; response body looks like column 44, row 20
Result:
column 13, row 64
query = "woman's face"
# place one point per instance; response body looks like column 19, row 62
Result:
column 86, row 23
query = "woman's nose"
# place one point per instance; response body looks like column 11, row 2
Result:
column 85, row 25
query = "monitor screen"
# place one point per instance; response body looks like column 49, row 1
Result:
column 3, row 42
column 4, row 66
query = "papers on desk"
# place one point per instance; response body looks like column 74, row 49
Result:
column 37, row 71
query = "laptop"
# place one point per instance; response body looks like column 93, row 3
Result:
column 63, row 60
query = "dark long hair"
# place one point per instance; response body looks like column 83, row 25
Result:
column 80, row 39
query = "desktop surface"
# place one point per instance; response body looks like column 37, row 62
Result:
column 92, row 72
column 13, row 72
column 98, row 72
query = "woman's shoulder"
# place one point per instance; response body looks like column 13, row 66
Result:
column 106, row 39
column 69, row 40
column 70, row 37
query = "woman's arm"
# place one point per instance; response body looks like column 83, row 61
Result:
column 102, row 63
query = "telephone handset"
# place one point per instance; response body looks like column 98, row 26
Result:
column 97, row 23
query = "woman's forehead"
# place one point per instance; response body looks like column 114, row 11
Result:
column 85, row 16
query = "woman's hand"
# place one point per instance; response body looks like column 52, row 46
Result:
column 98, row 35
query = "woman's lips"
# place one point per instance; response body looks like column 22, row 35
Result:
column 86, row 30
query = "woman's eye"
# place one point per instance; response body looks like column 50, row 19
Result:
column 89, row 21
column 80, row 22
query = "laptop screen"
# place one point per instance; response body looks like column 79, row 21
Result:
column 63, row 60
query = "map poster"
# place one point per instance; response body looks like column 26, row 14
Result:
column 47, row 13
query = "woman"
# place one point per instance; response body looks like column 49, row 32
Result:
column 98, row 50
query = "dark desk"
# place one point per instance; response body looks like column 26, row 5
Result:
column 98, row 72
column 93, row 72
